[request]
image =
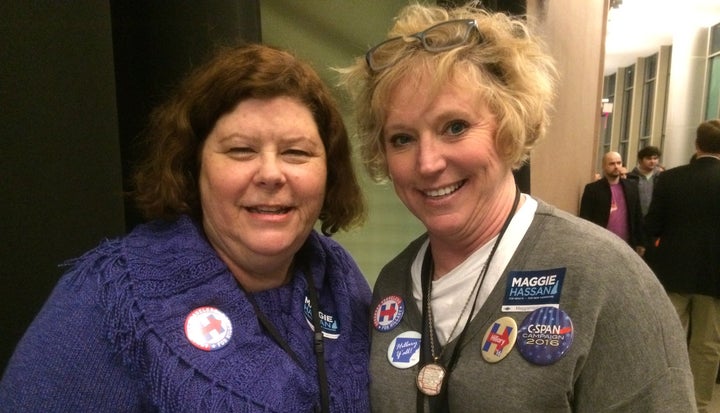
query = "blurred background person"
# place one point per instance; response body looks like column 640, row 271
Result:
column 645, row 173
column 505, row 303
column 613, row 203
column 228, row 300
column 685, row 215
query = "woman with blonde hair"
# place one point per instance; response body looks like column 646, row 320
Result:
column 505, row 303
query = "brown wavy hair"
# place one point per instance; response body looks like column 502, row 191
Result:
column 166, row 180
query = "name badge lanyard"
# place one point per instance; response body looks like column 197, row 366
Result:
column 318, row 344
column 439, row 403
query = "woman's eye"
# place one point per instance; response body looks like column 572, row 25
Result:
column 297, row 152
column 456, row 127
column 240, row 150
column 399, row 140
column 297, row 155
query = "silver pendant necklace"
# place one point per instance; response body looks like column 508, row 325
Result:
column 432, row 375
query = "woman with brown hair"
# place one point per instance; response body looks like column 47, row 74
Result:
column 228, row 300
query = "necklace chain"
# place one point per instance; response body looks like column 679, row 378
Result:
column 457, row 322
column 477, row 285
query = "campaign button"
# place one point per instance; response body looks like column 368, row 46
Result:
column 208, row 328
column 328, row 322
column 545, row 335
column 404, row 350
column 388, row 313
column 499, row 339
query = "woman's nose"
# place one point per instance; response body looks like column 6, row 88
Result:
column 429, row 157
column 269, row 173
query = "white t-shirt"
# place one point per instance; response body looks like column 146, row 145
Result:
column 451, row 292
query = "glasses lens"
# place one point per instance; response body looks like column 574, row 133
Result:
column 383, row 55
column 447, row 35
column 437, row 38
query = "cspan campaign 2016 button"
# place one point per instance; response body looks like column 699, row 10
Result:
column 545, row 335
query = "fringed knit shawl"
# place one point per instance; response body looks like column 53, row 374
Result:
column 145, row 285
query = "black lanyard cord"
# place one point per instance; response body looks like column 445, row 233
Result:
column 439, row 403
column 318, row 343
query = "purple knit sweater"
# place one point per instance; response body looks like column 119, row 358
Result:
column 111, row 336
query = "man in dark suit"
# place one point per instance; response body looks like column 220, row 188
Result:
column 613, row 203
column 685, row 214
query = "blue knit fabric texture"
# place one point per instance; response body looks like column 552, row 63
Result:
column 111, row 336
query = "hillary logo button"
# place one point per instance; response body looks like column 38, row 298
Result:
column 499, row 339
column 208, row 328
column 404, row 350
column 388, row 313
column 545, row 335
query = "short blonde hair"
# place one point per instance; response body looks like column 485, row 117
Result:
column 507, row 68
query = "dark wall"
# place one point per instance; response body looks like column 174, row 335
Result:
column 59, row 157
column 77, row 80
column 514, row 7
column 157, row 42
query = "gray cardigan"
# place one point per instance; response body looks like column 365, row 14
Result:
column 628, row 352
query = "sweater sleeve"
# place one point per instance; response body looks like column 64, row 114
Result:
column 65, row 361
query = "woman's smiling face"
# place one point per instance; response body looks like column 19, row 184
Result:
column 262, row 181
column 441, row 156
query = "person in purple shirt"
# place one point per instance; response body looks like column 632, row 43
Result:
column 613, row 202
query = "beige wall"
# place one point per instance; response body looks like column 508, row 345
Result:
column 682, row 77
column 686, row 97
column 563, row 163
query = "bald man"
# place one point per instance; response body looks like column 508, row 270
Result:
column 613, row 203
